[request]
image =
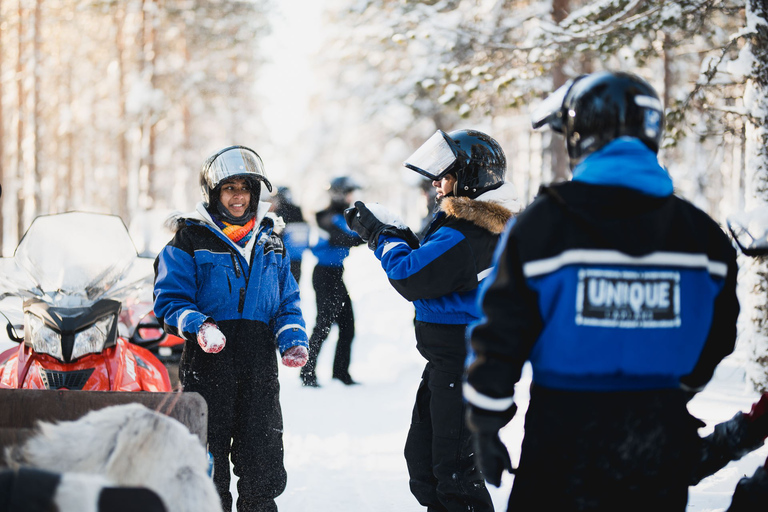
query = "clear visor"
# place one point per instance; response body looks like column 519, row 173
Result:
column 434, row 158
column 234, row 162
column 549, row 111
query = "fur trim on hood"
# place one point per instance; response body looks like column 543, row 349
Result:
column 490, row 210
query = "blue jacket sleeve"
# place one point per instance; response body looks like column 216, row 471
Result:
column 175, row 288
column 442, row 265
column 288, row 323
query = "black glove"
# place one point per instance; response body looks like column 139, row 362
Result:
column 492, row 457
column 490, row 453
column 363, row 222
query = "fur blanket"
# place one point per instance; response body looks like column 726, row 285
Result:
column 121, row 446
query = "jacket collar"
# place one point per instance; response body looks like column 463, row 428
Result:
column 490, row 210
column 625, row 162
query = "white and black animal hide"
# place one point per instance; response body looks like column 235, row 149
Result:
column 128, row 446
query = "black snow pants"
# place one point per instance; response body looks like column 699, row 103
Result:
column 633, row 451
column 333, row 306
column 245, row 423
column 438, row 450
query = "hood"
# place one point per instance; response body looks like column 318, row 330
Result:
column 491, row 210
column 200, row 214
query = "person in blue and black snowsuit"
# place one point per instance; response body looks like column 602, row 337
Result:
column 440, row 276
column 623, row 298
column 332, row 297
column 296, row 232
column 224, row 284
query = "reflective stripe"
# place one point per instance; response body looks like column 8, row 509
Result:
column 182, row 318
column 485, row 402
column 482, row 275
column 388, row 246
column 291, row 326
column 600, row 257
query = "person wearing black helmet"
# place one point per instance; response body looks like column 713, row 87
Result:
column 441, row 275
column 224, row 284
column 332, row 297
column 622, row 297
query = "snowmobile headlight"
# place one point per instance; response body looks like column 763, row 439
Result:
column 92, row 339
column 44, row 339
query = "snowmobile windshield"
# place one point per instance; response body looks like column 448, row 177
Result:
column 234, row 162
column 74, row 259
column 435, row 158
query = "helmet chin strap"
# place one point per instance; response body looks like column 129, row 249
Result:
column 222, row 212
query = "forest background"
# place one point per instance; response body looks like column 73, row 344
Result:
column 111, row 105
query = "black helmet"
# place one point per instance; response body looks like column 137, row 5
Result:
column 284, row 194
column 343, row 185
column 592, row 110
column 477, row 161
column 230, row 163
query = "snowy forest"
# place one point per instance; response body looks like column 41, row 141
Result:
column 112, row 105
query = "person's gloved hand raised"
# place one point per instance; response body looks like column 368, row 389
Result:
column 371, row 222
column 210, row 338
column 295, row 357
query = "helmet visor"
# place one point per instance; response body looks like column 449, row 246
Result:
column 235, row 162
column 435, row 158
column 550, row 110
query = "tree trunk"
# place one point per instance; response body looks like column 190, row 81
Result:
column 2, row 140
column 756, row 191
column 560, row 165
column 36, row 115
column 21, row 111
column 122, row 144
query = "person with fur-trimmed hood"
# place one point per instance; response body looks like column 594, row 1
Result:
column 224, row 284
column 440, row 276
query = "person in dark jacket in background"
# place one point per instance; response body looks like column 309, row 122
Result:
column 333, row 302
column 223, row 283
column 440, row 276
column 296, row 232
column 622, row 297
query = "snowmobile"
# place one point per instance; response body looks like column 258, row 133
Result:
column 69, row 279
column 149, row 333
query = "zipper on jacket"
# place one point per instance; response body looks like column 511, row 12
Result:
column 242, row 301
column 236, row 264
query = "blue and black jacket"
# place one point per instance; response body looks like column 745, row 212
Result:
column 606, row 283
column 202, row 275
column 441, row 277
column 295, row 235
column 335, row 239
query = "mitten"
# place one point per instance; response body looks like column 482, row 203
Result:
column 295, row 357
column 733, row 439
column 210, row 338
column 364, row 223
column 371, row 222
column 492, row 456
column 490, row 453
column 758, row 417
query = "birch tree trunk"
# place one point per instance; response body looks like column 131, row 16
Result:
column 20, row 113
column 756, row 190
column 2, row 138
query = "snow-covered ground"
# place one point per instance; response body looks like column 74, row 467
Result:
column 344, row 445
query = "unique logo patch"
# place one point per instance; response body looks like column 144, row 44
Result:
column 625, row 298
